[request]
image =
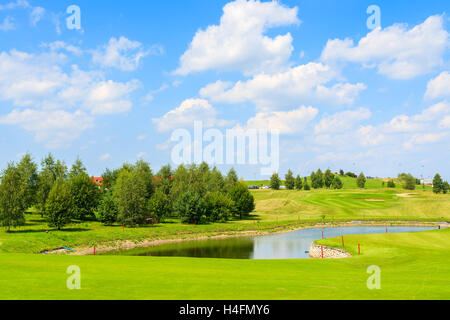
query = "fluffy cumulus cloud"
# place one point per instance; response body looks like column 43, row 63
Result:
column 409, row 131
column 302, row 84
column 122, row 54
column 189, row 111
column 54, row 100
column 285, row 122
column 54, row 128
column 397, row 52
column 439, row 87
column 239, row 42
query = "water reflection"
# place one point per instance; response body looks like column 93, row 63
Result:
column 290, row 245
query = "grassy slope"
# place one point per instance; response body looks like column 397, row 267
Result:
column 413, row 266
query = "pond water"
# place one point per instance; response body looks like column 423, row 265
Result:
column 290, row 245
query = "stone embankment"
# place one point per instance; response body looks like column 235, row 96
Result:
column 328, row 253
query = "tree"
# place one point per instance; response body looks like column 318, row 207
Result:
column 165, row 179
column 361, row 181
column 243, row 200
column 290, row 180
column 317, row 179
column 313, row 179
column 391, row 184
column 337, row 183
column 328, row 179
column 12, row 205
column 190, row 207
column 77, row 169
column 50, row 172
column 275, row 182
column 107, row 210
column 28, row 172
column 445, row 187
column 231, row 178
column 159, row 205
column 142, row 169
column 85, row 196
column 306, row 187
column 437, row 184
column 219, row 206
column 216, row 181
column 341, row 173
column 109, row 178
column 350, row 174
column 130, row 194
column 298, row 183
column 58, row 207
column 408, row 181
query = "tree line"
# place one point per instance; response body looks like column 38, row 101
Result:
column 131, row 195
column 318, row 180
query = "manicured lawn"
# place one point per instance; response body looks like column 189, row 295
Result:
column 413, row 266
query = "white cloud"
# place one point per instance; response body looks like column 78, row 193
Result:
column 439, row 87
column 7, row 24
column 288, row 122
column 141, row 137
column 434, row 112
column 58, row 46
column 409, row 131
column 445, row 123
column 424, row 138
column 122, row 54
column 54, row 128
column 142, row 155
column 189, row 111
column 36, row 15
column 108, row 97
column 302, row 84
column 239, row 42
column 342, row 121
column 15, row 4
column 397, row 52
column 105, row 157
column 151, row 95
column 370, row 136
column 40, row 83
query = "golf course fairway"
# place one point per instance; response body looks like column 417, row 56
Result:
column 412, row 265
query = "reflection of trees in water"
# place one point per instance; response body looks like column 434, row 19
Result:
column 229, row 248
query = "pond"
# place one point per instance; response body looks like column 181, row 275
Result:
column 289, row 245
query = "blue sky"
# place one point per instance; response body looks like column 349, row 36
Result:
column 341, row 95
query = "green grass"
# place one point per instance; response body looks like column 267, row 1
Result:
column 274, row 210
column 349, row 183
column 414, row 266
